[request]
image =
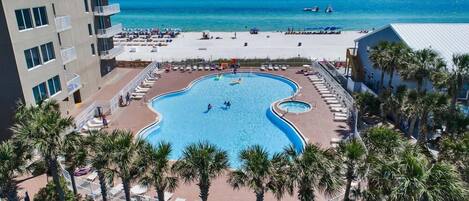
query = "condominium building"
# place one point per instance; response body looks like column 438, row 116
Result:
column 54, row 49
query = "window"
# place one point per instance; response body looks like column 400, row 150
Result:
column 32, row 57
column 93, row 51
column 90, row 30
column 87, row 9
column 54, row 85
column 23, row 18
column 47, row 51
column 40, row 92
column 40, row 16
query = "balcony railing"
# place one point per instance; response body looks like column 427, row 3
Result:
column 68, row 55
column 112, row 53
column 63, row 23
column 109, row 32
column 73, row 83
column 107, row 10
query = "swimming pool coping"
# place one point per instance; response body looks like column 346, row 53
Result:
column 159, row 116
column 285, row 101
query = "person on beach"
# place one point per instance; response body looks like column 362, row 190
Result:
column 127, row 98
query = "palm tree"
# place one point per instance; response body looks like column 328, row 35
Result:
column 75, row 155
column 353, row 153
column 126, row 158
column 455, row 150
column 99, row 147
column 382, row 141
column 44, row 129
column 453, row 79
column 201, row 162
column 422, row 65
column 431, row 103
column 379, row 56
column 11, row 164
column 398, row 56
column 314, row 169
column 255, row 172
column 158, row 173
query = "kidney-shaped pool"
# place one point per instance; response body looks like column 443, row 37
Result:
column 249, row 120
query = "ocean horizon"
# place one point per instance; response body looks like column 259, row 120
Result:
column 279, row 15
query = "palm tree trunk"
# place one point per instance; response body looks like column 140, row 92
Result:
column 72, row 178
column 102, row 183
column 411, row 126
column 391, row 75
column 204, row 188
column 381, row 82
column 347, row 189
column 56, row 178
column 126, row 184
column 260, row 196
column 11, row 193
column 160, row 194
column 422, row 138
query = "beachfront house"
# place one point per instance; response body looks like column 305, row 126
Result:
column 445, row 38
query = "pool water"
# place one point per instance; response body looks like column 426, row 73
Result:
column 295, row 106
column 249, row 121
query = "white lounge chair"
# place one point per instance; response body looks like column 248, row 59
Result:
column 175, row 68
column 116, row 189
column 262, row 68
column 327, row 95
column 201, row 68
column 284, row 68
column 180, row 199
column 137, row 97
column 276, row 68
column 85, row 128
column 330, row 98
column 92, row 124
column 270, row 68
column 141, row 91
column 341, row 119
column 324, row 91
column 92, row 176
column 338, row 109
column 137, row 94
column 335, row 105
column 167, row 196
column 149, row 81
column 340, row 114
column 139, row 189
column 188, row 68
column 207, row 68
column 332, row 101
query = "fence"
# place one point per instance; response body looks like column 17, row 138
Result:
column 114, row 102
column 335, row 85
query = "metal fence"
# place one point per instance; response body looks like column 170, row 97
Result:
column 335, row 85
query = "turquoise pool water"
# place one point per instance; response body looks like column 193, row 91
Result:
column 295, row 106
column 249, row 120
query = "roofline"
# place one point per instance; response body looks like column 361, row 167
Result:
column 372, row 32
column 382, row 28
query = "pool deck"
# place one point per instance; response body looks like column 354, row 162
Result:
column 317, row 125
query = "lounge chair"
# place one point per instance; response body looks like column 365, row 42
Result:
column 330, row 98
column 340, row 114
column 338, row 109
column 137, row 97
column 327, row 95
column 340, row 119
column 85, row 128
column 335, row 105
column 194, row 67
column 167, row 196
column 149, row 81
column 92, row 176
column 139, row 189
column 324, row 91
column 332, row 101
column 188, row 68
column 262, row 68
column 276, row 68
column 141, row 90
column 270, row 68
column 201, row 68
column 175, row 68
column 137, row 94
column 180, row 199
column 116, row 189
column 207, row 68
column 284, row 68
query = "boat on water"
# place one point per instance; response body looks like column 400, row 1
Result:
column 313, row 9
column 329, row 9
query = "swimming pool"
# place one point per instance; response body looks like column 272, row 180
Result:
column 295, row 106
column 185, row 117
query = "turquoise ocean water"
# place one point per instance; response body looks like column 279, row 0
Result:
column 271, row 15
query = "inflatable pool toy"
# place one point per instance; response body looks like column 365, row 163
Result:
column 218, row 77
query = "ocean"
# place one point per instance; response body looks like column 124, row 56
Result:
column 279, row 15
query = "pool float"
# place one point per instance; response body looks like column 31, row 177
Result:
column 218, row 77
column 235, row 82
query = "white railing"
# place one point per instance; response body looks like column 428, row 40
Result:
column 63, row 23
column 112, row 53
column 107, row 10
column 68, row 55
column 109, row 32
column 114, row 102
column 335, row 86
column 73, row 84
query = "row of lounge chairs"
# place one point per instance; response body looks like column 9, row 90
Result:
column 141, row 90
column 273, row 67
column 94, row 124
column 331, row 99
column 196, row 68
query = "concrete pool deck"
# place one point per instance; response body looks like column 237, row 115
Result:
column 317, row 125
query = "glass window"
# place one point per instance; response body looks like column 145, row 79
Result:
column 47, row 51
column 32, row 57
column 87, row 9
column 93, row 51
column 23, row 18
column 40, row 16
column 40, row 92
column 54, row 85
column 90, row 30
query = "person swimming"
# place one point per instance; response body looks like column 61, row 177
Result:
column 228, row 104
column 209, row 107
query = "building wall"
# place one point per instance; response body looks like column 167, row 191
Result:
column 9, row 79
column 373, row 75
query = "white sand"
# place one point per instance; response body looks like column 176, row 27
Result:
column 277, row 45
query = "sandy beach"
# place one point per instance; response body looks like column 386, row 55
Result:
column 265, row 44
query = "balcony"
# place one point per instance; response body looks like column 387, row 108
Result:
column 63, row 23
column 68, row 55
column 112, row 53
column 109, row 32
column 73, row 83
column 107, row 10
